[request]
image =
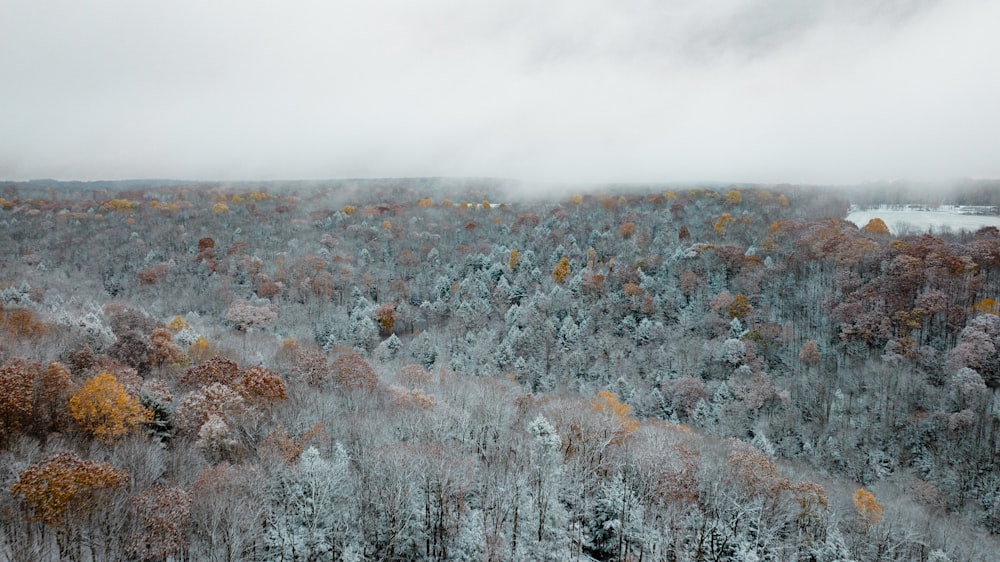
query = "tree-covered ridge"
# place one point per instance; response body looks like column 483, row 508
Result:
column 397, row 372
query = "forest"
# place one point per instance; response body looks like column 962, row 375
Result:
column 460, row 369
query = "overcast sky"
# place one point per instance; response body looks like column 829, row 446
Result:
column 814, row 91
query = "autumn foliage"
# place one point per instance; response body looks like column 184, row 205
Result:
column 986, row 306
column 876, row 226
column 216, row 369
column 62, row 483
column 286, row 447
column 869, row 510
column 756, row 474
column 21, row 323
column 201, row 350
column 216, row 399
column 353, row 372
column 164, row 350
column 163, row 513
column 607, row 405
column 514, row 259
column 854, row 354
column 261, row 385
column 740, row 307
column 17, row 382
column 102, row 408
column 809, row 353
column 561, row 271
column 32, row 397
column 722, row 223
column 386, row 316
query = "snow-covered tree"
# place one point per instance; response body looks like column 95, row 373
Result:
column 311, row 516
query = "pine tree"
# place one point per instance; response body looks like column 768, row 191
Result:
column 616, row 529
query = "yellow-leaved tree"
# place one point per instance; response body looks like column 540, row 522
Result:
column 102, row 408
column 740, row 307
column 724, row 221
column 515, row 259
column 607, row 404
column 200, row 350
column 869, row 510
column 177, row 324
column 562, row 270
column 986, row 306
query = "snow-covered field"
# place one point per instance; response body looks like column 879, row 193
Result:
column 906, row 219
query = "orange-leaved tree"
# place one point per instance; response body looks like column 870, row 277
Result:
column 755, row 474
column 216, row 369
column 22, row 323
column 876, row 226
column 260, row 385
column 353, row 372
column 64, row 482
column 164, row 513
column 164, row 350
column 813, row 504
column 386, row 316
column 809, row 353
column 17, row 387
column 52, row 390
column 104, row 409
column 32, row 397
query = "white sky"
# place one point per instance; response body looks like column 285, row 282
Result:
column 815, row 91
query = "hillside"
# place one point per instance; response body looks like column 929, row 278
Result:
column 437, row 369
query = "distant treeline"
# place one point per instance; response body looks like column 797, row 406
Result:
column 965, row 192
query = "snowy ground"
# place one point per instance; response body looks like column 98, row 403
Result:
column 913, row 219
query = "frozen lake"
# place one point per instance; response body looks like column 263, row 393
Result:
column 912, row 220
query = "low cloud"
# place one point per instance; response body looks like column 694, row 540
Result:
column 582, row 91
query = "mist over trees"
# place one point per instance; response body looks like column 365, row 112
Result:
column 453, row 370
column 985, row 193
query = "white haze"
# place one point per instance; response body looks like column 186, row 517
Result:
column 816, row 91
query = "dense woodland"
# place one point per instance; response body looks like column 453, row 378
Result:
column 452, row 370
